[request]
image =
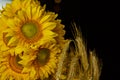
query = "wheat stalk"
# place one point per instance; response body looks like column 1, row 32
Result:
column 61, row 61
column 82, row 65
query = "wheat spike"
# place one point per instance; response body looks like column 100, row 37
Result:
column 61, row 60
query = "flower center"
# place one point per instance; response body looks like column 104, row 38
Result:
column 43, row 56
column 13, row 61
column 29, row 30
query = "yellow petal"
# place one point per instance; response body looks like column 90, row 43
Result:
column 4, row 48
column 7, row 13
column 4, row 76
column 2, row 68
column 9, row 34
column 49, row 25
column 43, row 71
column 26, row 70
column 49, row 34
column 44, row 18
column 32, row 73
column 36, row 12
column 7, row 30
column 16, row 6
column 24, row 63
column 26, row 3
column 47, row 69
column 11, row 78
column 11, row 24
column 19, row 49
column 8, row 6
column 13, row 39
column 11, row 51
column 41, row 74
column 28, row 12
column 21, row 15
column 53, row 64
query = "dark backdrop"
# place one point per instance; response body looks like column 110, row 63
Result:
column 97, row 21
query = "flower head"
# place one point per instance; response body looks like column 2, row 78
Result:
column 10, row 69
column 44, row 60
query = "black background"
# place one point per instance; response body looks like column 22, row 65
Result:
column 98, row 23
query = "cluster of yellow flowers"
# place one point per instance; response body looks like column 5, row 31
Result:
column 31, row 40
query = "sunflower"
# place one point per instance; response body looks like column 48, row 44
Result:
column 10, row 69
column 12, row 8
column 9, row 11
column 32, row 27
column 43, row 59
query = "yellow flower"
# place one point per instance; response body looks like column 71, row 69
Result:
column 43, row 60
column 32, row 26
column 9, row 11
column 12, row 8
column 10, row 69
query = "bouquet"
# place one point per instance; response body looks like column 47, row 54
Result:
column 33, row 47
